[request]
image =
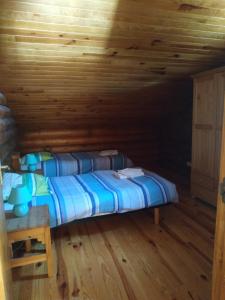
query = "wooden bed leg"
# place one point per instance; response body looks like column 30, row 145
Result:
column 48, row 246
column 156, row 216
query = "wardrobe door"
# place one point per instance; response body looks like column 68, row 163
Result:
column 203, row 184
column 220, row 89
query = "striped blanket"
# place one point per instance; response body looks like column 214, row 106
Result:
column 100, row 192
column 65, row 164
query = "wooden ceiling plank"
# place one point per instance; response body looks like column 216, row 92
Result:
column 76, row 63
column 210, row 8
column 98, row 19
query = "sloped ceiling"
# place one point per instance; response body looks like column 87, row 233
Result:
column 82, row 62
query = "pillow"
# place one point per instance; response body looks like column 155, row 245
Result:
column 36, row 184
column 10, row 180
column 41, row 156
column 108, row 152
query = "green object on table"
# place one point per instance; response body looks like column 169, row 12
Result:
column 19, row 197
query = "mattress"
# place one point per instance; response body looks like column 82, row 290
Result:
column 100, row 192
column 64, row 164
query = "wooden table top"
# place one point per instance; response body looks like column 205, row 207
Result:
column 37, row 217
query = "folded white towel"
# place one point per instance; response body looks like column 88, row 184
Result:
column 108, row 152
column 120, row 176
column 129, row 173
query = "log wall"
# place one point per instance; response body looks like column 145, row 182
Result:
column 138, row 135
column 7, row 130
column 139, row 144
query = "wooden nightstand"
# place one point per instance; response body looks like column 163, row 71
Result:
column 35, row 225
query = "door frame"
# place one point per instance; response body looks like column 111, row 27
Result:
column 218, row 279
column 5, row 270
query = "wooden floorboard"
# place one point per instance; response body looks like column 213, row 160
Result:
column 127, row 257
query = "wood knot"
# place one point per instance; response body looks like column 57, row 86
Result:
column 133, row 47
column 151, row 242
column 39, row 264
column 63, row 285
column 75, row 292
column 75, row 246
column 189, row 7
column 57, row 275
column 71, row 42
column 190, row 295
column 124, row 260
column 114, row 53
column 206, row 47
column 204, row 277
column 156, row 42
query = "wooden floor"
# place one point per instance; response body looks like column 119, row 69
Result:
column 127, row 257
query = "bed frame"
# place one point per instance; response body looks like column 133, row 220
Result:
column 15, row 163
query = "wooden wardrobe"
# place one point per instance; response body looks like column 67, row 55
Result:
column 209, row 88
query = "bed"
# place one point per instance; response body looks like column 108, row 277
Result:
column 100, row 192
column 64, row 164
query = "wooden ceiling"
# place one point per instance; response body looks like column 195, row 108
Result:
column 78, row 62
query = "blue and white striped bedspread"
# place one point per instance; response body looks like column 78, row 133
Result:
column 100, row 192
column 65, row 164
